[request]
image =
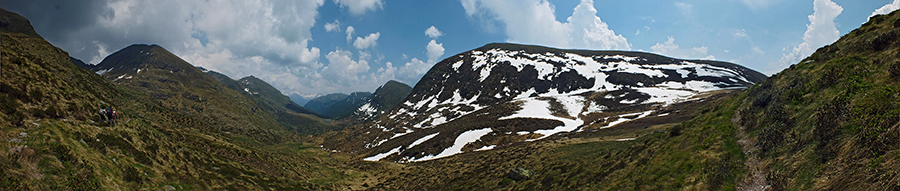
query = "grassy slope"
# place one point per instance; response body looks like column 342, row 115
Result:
column 831, row 121
column 51, row 140
column 699, row 154
column 286, row 112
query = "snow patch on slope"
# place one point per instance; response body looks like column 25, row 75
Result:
column 422, row 140
column 461, row 140
column 534, row 108
column 382, row 155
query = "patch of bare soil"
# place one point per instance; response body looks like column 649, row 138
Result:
column 757, row 178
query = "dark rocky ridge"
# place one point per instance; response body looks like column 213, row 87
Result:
column 323, row 103
column 360, row 106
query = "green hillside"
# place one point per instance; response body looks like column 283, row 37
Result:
column 832, row 121
column 192, row 133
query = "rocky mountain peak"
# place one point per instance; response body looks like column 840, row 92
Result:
column 564, row 90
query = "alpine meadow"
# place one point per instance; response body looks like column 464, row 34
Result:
column 340, row 95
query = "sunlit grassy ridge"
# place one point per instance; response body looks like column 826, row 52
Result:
column 51, row 137
column 831, row 121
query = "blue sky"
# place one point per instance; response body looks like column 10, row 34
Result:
column 317, row 47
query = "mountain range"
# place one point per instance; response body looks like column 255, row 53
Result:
column 498, row 117
column 298, row 99
column 338, row 105
column 501, row 94
column 360, row 106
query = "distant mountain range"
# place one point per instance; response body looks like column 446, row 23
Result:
column 360, row 106
column 297, row 98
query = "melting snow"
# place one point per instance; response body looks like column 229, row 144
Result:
column 573, row 104
column 248, row 91
column 463, row 139
column 489, row 147
column 101, row 72
column 457, row 65
column 622, row 118
column 367, row 110
column 422, row 140
column 594, row 108
column 533, row 108
column 123, row 76
column 397, row 135
column 382, row 155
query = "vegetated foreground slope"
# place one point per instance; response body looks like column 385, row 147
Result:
column 51, row 137
column 830, row 122
column 159, row 76
column 501, row 94
column 657, row 155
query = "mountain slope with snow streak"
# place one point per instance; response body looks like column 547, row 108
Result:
column 383, row 100
column 505, row 93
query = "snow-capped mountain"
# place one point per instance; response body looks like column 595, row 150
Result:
column 505, row 93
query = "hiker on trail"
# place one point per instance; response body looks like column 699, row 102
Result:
column 111, row 115
column 102, row 115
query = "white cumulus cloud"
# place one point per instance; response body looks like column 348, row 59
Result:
column 820, row 31
column 414, row 68
column 333, row 27
column 358, row 7
column 886, row 8
column 350, row 31
column 669, row 48
column 434, row 51
column 433, row 32
column 366, row 42
column 342, row 68
column 534, row 22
